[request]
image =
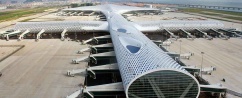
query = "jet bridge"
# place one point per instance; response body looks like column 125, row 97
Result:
column 162, row 43
column 102, row 48
column 75, row 94
column 205, row 35
column 231, row 33
column 189, row 35
column 11, row 34
column 22, row 35
column 84, row 50
column 157, row 42
column 83, row 59
column 86, row 41
column 173, row 55
column 98, row 48
column 186, row 55
column 107, row 68
column 217, row 88
column 102, row 18
column 172, row 35
column 80, row 14
column 99, row 90
column 75, row 13
column 76, row 71
column 237, row 33
column 208, row 70
column 104, row 68
column 3, row 33
column 91, row 14
column 221, row 35
column 63, row 34
column 193, row 70
column 94, row 57
column 105, row 89
column 101, row 39
column 39, row 35
column 101, row 56
column 98, row 40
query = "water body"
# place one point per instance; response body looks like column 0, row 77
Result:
column 224, row 3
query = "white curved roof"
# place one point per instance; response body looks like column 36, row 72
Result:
column 136, row 54
column 109, row 7
column 59, row 26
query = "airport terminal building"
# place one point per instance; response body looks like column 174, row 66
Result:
column 123, row 61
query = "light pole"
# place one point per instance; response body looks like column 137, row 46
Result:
column 92, row 32
column 201, row 64
column 180, row 45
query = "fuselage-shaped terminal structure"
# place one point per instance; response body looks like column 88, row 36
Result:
column 146, row 70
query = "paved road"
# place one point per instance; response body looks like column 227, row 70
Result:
column 38, row 70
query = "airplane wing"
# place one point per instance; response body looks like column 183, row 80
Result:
column 59, row 26
column 174, row 25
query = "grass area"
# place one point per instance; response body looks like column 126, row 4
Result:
column 218, row 13
column 25, row 20
column 10, row 15
column 199, row 10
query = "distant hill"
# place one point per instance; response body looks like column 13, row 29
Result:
column 32, row 1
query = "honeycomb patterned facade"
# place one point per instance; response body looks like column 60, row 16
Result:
column 146, row 70
column 59, row 26
column 147, row 57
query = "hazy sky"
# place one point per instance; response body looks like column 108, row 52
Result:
column 231, row 3
column 240, row 1
column 159, row 0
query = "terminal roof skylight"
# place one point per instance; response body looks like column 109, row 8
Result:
column 122, row 30
column 133, row 49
